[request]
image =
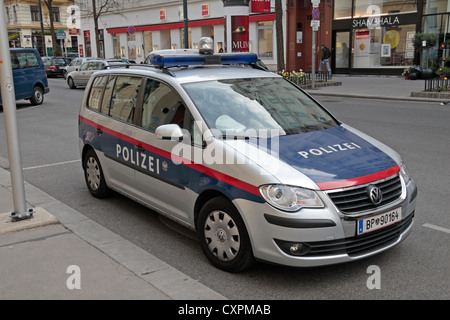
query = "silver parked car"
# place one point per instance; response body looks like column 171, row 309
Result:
column 80, row 76
column 74, row 64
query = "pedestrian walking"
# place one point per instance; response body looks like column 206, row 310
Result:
column 325, row 59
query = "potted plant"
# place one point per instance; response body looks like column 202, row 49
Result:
column 412, row 73
column 422, row 43
column 443, row 73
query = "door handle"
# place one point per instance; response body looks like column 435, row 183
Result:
column 139, row 148
column 99, row 131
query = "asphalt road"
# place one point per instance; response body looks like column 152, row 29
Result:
column 417, row 269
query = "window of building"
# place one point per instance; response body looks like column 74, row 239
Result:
column 435, row 6
column 161, row 105
column 343, row 9
column 364, row 8
column 265, row 39
column 55, row 14
column 131, row 38
column 148, row 42
column 116, row 45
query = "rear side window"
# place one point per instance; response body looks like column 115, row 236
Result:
column 124, row 98
column 161, row 105
column 24, row 60
column 95, row 95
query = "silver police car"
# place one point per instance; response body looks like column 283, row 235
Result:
column 247, row 159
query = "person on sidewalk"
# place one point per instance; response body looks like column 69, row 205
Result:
column 325, row 59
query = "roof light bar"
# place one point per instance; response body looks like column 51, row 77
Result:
column 167, row 61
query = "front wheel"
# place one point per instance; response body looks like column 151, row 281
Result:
column 223, row 236
column 93, row 174
column 71, row 83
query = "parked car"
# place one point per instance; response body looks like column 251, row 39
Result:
column 81, row 75
column 54, row 66
column 30, row 80
column 74, row 64
column 253, row 163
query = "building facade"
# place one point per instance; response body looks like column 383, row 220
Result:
column 367, row 36
column 24, row 25
column 131, row 29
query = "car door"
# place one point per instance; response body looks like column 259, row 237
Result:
column 160, row 180
column 78, row 76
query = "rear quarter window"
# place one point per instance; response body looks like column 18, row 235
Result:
column 26, row 60
column 95, row 95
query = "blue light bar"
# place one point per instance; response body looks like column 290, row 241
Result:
column 201, row 60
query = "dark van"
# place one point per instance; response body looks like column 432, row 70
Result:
column 30, row 80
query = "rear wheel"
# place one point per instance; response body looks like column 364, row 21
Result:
column 37, row 96
column 93, row 174
column 223, row 236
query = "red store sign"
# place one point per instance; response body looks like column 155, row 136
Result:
column 205, row 10
column 261, row 6
column 162, row 14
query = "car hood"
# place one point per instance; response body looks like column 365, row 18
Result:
column 326, row 159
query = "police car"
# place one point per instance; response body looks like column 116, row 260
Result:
column 247, row 159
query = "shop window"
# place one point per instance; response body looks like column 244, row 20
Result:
column 116, row 45
column 383, row 47
column 131, row 46
column 265, row 39
column 148, row 42
column 364, row 8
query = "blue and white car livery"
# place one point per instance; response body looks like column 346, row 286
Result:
column 253, row 163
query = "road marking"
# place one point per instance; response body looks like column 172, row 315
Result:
column 51, row 164
column 436, row 228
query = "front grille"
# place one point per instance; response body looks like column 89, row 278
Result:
column 359, row 245
column 356, row 199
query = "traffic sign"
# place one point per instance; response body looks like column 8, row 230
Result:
column 131, row 30
column 315, row 13
column 315, row 24
column 315, row 3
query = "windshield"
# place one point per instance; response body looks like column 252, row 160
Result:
column 256, row 104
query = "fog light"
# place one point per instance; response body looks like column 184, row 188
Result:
column 299, row 249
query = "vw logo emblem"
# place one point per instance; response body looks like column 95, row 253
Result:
column 375, row 194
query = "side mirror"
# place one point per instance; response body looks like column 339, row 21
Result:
column 169, row 132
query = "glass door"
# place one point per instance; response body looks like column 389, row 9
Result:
column 341, row 42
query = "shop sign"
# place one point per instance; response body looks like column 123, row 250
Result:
column 239, row 33
column 87, row 33
column 74, row 32
column 205, row 10
column 261, row 6
column 13, row 36
column 374, row 22
column 162, row 14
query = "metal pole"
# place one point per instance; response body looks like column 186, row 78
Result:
column 313, row 67
column 12, row 134
column 44, row 50
column 186, row 30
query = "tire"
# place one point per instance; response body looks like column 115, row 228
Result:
column 37, row 96
column 223, row 236
column 93, row 175
column 71, row 83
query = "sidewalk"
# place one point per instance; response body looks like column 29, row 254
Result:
column 375, row 87
column 38, row 255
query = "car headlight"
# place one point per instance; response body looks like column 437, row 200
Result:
column 288, row 198
column 404, row 172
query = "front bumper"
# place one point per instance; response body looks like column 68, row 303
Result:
column 323, row 236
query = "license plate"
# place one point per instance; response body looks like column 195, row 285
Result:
column 379, row 221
